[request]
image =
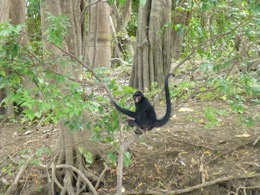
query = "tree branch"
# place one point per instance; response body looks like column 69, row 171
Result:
column 182, row 191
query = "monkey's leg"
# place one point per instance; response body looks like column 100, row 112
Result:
column 132, row 123
column 139, row 129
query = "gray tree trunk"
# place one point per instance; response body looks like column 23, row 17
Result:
column 66, row 151
column 152, row 58
column 4, row 16
column 99, row 35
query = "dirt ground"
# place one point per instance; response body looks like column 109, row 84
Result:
column 180, row 155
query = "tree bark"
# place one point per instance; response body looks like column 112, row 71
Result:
column 4, row 10
column 99, row 34
column 153, row 44
column 120, row 18
column 4, row 16
column 66, row 151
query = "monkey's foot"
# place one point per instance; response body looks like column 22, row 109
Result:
column 139, row 131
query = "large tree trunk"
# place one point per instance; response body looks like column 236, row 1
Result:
column 4, row 16
column 122, row 46
column 4, row 10
column 99, row 35
column 152, row 58
column 67, row 149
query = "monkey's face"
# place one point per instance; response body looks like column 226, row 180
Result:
column 137, row 98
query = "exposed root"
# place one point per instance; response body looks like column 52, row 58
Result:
column 67, row 179
column 18, row 176
column 102, row 175
column 67, row 172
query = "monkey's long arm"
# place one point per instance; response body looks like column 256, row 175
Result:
column 129, row 113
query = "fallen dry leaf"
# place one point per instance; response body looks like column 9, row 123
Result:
column 243, row 135
column 185, row 110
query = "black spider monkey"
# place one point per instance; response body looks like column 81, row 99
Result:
column 145, row 115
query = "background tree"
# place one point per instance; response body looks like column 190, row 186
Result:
column 4, row 16
column 121, row 15
column 152, row 58
column 13, row 11
column 71, row 147
column 99, row 43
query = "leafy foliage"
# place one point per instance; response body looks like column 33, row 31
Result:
column 226, row 62
column 57, row 28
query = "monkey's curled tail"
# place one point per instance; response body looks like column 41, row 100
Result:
column 167, row 115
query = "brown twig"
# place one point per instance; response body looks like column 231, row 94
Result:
column 182, row 191
column 257, row 139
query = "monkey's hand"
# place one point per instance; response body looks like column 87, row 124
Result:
column 115, row 104
column 112, row 102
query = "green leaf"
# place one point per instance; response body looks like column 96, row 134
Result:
column 248, row 120
column 142, row 2
column 111, row 157
column 111, row 1
column 2, row 73
column 57, row 28
column 88, row 157
column 210, row 113
column 40, row 151
column 38, row 114
column 29, row 114
column 127, row 158
column 100, row 109
column 121, row 2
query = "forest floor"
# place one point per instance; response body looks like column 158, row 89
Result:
column 220, row 157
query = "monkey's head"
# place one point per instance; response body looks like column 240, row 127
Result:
column 138, row 97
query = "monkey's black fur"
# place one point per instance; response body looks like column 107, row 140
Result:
column 145, row 115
